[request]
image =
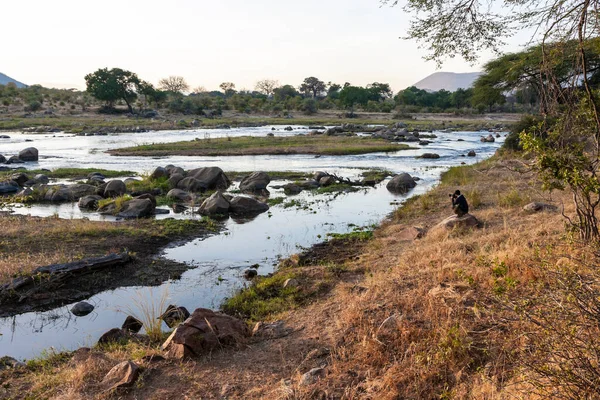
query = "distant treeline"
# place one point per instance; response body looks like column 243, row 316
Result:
column 109, row 88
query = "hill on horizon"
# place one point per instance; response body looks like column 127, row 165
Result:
column 449, row 81
column 5, row 79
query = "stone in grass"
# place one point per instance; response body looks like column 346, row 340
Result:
column 174, row 315
column 82, row 309
column 121, row 376
column 250, row 273
column 132, row 324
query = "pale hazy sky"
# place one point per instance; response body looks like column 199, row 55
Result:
column 56, row 43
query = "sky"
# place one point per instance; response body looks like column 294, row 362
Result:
column 56, row 43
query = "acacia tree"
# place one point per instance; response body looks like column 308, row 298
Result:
column 267, row 86
column 174, row 84
column 568, row 150
column 228, row 88
column 112, row 85
column 314, row 86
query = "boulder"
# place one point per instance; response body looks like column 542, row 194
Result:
column 215, row 204
column 327, row 180
column 20, row 178
column 96, row 175
column 466, row 221
column 8, row 187
column 171, row 169
column 242, row 205
column 488, row 139
column 271, row 330
column 309, row 184
column 250, row 273
column 191, row 184
column 149, row 197
column 28, row 154
column 288, row 128
column 136, row 208
column 291, row 283
column 401, row 183
column 255, row 182
column 291, row 188
column 7, row 362
column 71, row 193
column 174, row 315
column 113, row 336
column 179, row 195
column 14, row 160
column 115, row 188
column 2, row 159
column 312, row 376
column 132, row 324
column 430, row 155
column 89, row 202
column 82, row 309
column 121, row 376
column 537, row 207
column 174, row 179
column 318, row 175
column 159, row 172
column 41, row 178
column 210, row 177
column 203, row 332
column 471, row 153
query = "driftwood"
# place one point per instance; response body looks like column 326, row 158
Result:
column 58, row 272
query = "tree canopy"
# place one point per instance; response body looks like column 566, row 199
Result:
column 112, row 85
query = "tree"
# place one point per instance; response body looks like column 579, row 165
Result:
column 112, row 85
column 174, row 84
column 352, row 95
column 267, row 86
column 333, row 90
column 380, row 91
column 151, row 94
column 228, row 88
column 566, row 151
column 313, row 85
column 284, row 93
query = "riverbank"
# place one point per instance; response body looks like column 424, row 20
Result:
column 250, row 145
column 445, row 315
column 30, row 242
column 89, row 122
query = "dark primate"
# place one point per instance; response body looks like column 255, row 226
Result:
column 459, row 204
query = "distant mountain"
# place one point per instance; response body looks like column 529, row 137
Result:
column 449, row 81
column 7, row 79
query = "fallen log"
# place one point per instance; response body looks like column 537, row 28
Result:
column 47, row 272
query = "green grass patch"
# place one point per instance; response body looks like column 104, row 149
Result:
column 146, row 184
column 336, row 187
column 250, row 145
column 178, row 227
column 275, row 201
column 265, row 297
column 358, row 234
column 458, row 176
column 70, row 173
column 376, row 174
column 274, row 175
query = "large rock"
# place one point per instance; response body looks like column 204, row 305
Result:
column 401, row 183
column 28, row 154
column 20, row 178
column 14, row 160
column 82, row 309
column 174, row 180
column 72, row 192
column 191, row 184
column 121, row 376
column 171, row 169
column 318, row 175
column 136, row 208
column 41, row 178
column 215, row 204
column 89, row 202
column 2, row 159
column 132, row 324
column 242, row 205
column 471, row 153
column 9, row 187
column 159, row 172
column 255, row 182
column 488, row 139
column 433, row 156
column 179, row 195
column 203, row 332
column 115, row 188
column 327, row 181
column 174, row 315
column 466, row 221
column 210, row 177
column 291, row 189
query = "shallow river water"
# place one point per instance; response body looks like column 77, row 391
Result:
column 218, row 261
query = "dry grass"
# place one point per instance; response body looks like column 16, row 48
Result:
column 442, row 317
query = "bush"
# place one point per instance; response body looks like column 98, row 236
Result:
column 33, row 106
column 526, row 123
column 309, row 106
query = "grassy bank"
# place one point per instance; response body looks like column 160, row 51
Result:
column 70, row 173
column 504, row 311
column 250, row 145
column 92, row 122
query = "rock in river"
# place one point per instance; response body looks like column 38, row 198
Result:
column 401, row 183
column 209, row 178
column 180, row 195
column 215, row 204
column 28, row 154
column 243, row 205
column 82, row 309
column 115, row 188
column 137, row 208
column 89, row 202
column 71, row 193
column 255, row 182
